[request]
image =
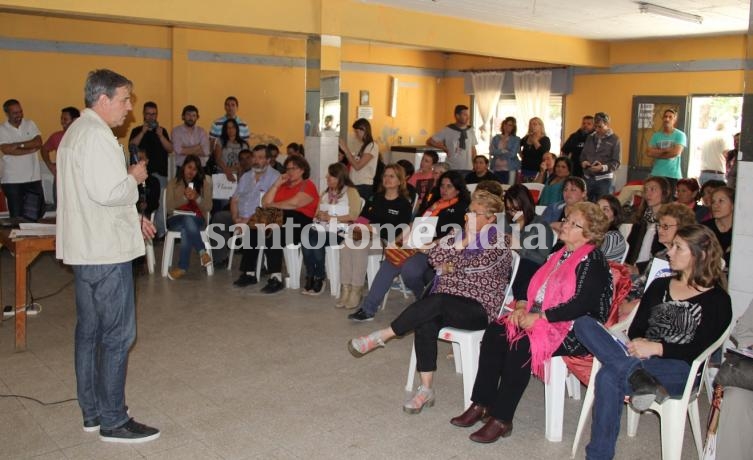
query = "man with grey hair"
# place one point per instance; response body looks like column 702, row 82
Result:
column 600, row 158
column 247, row 197
column 99, row 233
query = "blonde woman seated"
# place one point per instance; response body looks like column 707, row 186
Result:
column 339, row 204
column 390, row 209
column 574, row 282
column 191, row 195
column 473, row 269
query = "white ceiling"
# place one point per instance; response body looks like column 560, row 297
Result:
column 601, row 20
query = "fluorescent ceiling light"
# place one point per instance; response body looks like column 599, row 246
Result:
column 644, row 7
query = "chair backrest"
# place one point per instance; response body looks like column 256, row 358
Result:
column 508, row 290
column 625, row 229
column 472, row 188
column 540, row 210
column 700, row 366
column 534, row 186
column 363, row 203
column 624, row 254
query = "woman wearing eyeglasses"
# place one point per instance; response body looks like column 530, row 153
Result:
column 678, row 318
column 574, row 282
column 473, row 267
column 532, row 236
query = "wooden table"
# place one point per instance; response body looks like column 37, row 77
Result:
column 26, row 249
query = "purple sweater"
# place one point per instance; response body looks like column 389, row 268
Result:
column 479, row 274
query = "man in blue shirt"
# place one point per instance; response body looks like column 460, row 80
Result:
column 667, row 146
column 247, row 197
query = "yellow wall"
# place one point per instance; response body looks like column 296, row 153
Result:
column 272, row 97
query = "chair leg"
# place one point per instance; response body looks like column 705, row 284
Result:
column 411, row 370
column 207, row 247
column 695, row 426
column 469, row 353
column 585, row 410
column 573, row 386
column 167, row 252
column 457, row 354
column 332, row 266
column 293, row 261
column 633, row 418
column 150, row 262
column 672, row 430
column 554, row 396
column 259, row 261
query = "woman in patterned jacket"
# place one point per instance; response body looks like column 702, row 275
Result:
column 473, row 270
column 574, row 282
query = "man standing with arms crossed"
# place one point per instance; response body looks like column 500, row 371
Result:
column 99, row 233
column 667, row 146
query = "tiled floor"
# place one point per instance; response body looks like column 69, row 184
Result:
column 232, row 373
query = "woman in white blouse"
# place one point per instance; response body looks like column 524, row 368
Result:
column 363, row 164
column 339, row 204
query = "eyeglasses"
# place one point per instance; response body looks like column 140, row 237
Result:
column 665, row 227
column 565, row 221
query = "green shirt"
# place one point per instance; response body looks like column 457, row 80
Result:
column 668, row 167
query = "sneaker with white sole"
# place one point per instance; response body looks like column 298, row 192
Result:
column 132, row 432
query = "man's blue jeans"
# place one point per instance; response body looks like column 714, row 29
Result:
column 413, row 276
column 190, row 228
column 612, row 383
column 105, row 331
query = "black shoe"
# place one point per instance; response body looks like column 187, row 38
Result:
column 646, row 390
column 92, row 425
column 131, row 432
column 360, row 316
column 317, row 286
column 273, row 285
column 307, row 285
column 220, row 263
column 245, row 280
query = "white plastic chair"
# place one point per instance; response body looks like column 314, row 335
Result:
column 149, row 249
column 625, row 229
column 293, row 263
column 624, row 254
column 557, row 380
column 169, row 244
column 672, row 412
column 466, row 346
column 472, row 188
column 332, row 264
column 540, row 210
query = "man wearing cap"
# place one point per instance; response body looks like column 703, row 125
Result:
column 600, row 158
column 667, row 146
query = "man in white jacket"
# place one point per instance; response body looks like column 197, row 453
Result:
column 99, row 233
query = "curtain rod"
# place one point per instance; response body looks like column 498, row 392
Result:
column 512, row 70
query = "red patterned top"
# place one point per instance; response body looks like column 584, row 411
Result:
column 479, row 274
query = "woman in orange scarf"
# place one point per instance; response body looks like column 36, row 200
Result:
column 450, row 208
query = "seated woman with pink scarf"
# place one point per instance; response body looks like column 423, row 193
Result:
column 574, row 281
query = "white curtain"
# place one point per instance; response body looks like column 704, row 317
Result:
column 487, row 87
column 532, row 89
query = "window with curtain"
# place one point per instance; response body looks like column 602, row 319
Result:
column 507, row 108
